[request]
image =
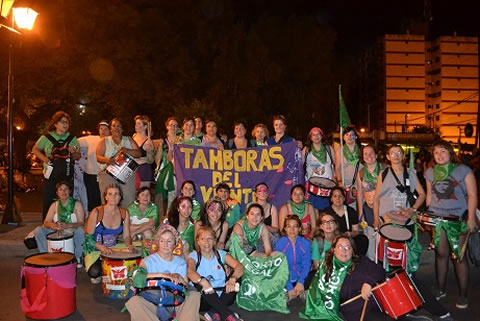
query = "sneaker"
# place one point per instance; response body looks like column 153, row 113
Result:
column 419, row 317
column 446, row 317
column 233, row 317
column 212, row 316
column 79, row 263
column 462, row 302
column 96, row 280
column 439, row 294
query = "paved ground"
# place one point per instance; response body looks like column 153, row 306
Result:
column 92, row 305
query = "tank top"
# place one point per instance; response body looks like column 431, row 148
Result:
column 111, row 148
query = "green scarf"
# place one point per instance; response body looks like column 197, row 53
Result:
column 65, row 212
column 196, row 210
column 453, row 230
column 298, row 210
column 352, row 158
column 321, row 154
column 441, row 172
column 251, row 235
column 371, row 178
column 323, row 298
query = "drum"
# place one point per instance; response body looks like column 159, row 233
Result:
column 48, row 285
column 123, row 168
column 320, row 186
column 60, row 242
column 392, row 245
column 116, row 267
column 427, row 221
column 398, row 296
column 155, row 291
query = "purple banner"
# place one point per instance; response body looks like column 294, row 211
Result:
column 279, row 166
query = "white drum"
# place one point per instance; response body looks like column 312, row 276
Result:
column 60, row 242
column 123, row 168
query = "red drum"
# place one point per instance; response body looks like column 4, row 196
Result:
column 48, row 285
column 320, row 186
column 116, row 266
column 427, row 221
column 392, row 245
column 123, row 168
column 398, row 296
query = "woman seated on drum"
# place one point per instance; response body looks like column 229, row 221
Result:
column 105, row 224
column 164, row 265
column 210, row 139
column 451, row 195
column 253, row 235
column 347, row 219
column 298, row 251
column 206, row 270
column 142, row 138
column 179, row 216
column 213, row 214
column 319, row 160
column 64, row 216
column 108, row 150
column 143, row 215
column 297, row 205
column 322, row 241
column 342, row 275
column 188, row 189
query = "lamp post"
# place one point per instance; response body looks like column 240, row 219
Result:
column 24, row 18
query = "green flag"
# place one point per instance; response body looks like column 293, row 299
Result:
column 412, row 164
column 263, row 282
column 344, row 119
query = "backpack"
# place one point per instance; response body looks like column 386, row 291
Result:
column 61, row 159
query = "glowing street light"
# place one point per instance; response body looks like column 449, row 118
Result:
column 24, row 19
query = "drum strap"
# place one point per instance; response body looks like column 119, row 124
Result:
column 346, row 217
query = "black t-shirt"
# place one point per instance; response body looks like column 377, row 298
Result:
column 352, row 218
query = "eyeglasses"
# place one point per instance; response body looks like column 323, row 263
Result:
column 346, row 248
column 396, row 154
column 328, row 222
column 63, row 121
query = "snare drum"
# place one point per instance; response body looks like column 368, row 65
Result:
column 115, row 267
column 392, row 244
column 60, row 242
column 48, row 285
column 398, row 296
column 123, row 168
column 320, row 186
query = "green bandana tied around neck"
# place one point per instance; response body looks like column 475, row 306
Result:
column 371, row 178
column 321, row 154
column 352, row 158
column 323, row 297
column 65, row 212
column 441, row 172
column 196, row 210
column 298, row 210
column 251, row 235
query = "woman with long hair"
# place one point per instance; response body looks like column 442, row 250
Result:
column 327, row 229
column 188, row 189
column 259, row 135
column 145, row 144
column 179, row 216
column 452, row 195
column 213, row 214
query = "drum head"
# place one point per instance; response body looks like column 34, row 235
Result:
column 59, row 236
column 49, row 259
column 122, row 255
column 322, row 182
column 395, row 232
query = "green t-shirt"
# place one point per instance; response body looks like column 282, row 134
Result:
column 151, row 212
column 46, row 145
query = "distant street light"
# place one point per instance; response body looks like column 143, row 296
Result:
column 24, row 18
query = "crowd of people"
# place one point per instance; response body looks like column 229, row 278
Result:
column 329, row 229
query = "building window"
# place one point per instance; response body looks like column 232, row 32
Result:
column 406, row 78
column 437, row 83
column 437, row 59
column 406, row 90
column 437, row 106
column 407, row 102
column 437, row 117
column 430, row 106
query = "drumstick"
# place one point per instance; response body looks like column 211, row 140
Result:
column 359, row 296
column 464, row 247
column 364, row 309
column 120, row 250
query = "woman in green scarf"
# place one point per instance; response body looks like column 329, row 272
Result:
column 452, row 194
column 66, row 216
column 342, row 266
column 297, row 205
column 252, row 232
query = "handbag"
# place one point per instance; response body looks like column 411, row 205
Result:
column 351, row 191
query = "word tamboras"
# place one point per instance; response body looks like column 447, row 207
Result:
column 60, row 242
column 391, row 246
column 123, row 168
column 320, row 186
column 116, row 267
column 48, row 285
column 398, row 296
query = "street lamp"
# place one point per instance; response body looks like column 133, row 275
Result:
column 24, row 18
